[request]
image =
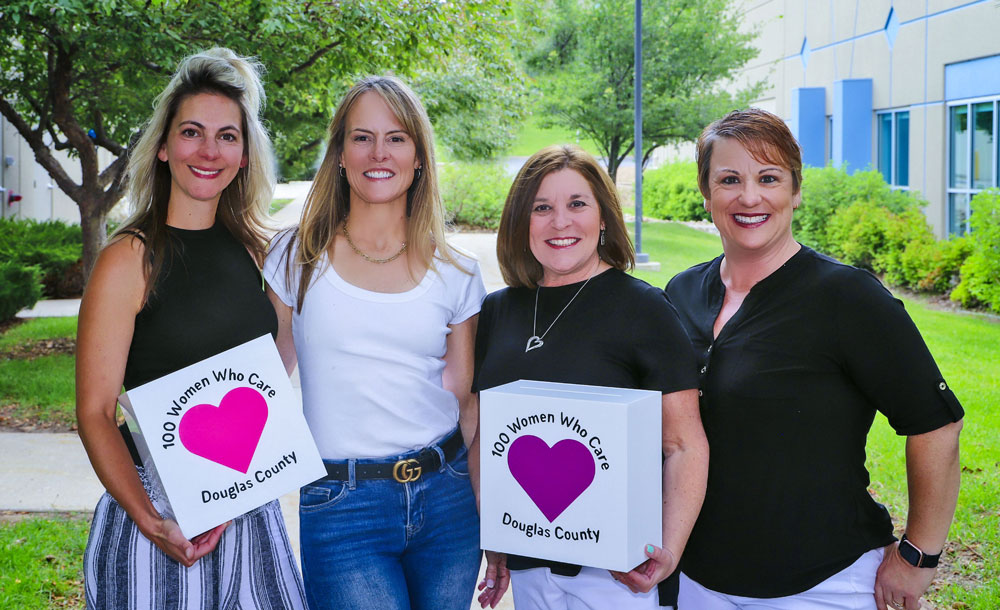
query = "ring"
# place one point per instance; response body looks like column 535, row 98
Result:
column 896, row 604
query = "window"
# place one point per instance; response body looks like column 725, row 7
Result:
column 894, row 147
column 972, row 158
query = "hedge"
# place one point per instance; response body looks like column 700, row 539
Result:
column 980, row 283
column 55, row 247
column 671, row 192
column 20, row 287
column 474, row 193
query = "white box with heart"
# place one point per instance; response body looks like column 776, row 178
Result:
column 222, row 436
column 571, row 473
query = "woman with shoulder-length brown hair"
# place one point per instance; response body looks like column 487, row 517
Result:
column 380, row 314
column 797, row 352
column 572, row 314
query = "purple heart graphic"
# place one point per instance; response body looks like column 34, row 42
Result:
column 553, row 477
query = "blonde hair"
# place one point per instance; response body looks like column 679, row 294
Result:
column 329, row 200
column 518, row 265
column 244, row 202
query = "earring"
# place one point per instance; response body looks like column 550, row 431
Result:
column 602, row 236
column 343, row 172
column 417, row 172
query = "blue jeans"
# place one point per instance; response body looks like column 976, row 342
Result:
column 381, row 544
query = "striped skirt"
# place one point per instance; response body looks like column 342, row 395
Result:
column 252, row 567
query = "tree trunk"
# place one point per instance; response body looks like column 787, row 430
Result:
column 93, row 222
column 613, row 168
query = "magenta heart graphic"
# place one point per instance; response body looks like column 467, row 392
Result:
column 553, row 477
column 227, row 434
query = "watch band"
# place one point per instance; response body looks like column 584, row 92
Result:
column 915, row 557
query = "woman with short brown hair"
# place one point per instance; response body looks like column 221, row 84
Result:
column 797, row 352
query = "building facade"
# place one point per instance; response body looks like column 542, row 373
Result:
column 26, row 189
column 908, row 87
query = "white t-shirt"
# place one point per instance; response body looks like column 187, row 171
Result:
column 371, row 362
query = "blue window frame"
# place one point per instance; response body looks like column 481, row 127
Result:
column 972, row 157
column 894, row 147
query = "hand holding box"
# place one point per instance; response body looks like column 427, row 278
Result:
column 222, row 436
column 571, row 473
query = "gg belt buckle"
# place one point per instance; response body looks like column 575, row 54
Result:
column 406, row 471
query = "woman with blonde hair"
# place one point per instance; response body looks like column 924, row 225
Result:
column 380, row 314
column 178, row 283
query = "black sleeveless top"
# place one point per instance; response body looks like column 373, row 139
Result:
column 208, row 298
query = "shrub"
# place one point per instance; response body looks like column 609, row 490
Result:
column 980, row 282
column 54, row 246
column 899, row 245
column 671, row 192
column 474, row 193
column 828, row 189
column 934, row 266
column 20, row 287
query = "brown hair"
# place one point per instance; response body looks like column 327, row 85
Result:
column 517, row 263
column 764, row 135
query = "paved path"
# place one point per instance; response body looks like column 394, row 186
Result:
column 51, row 472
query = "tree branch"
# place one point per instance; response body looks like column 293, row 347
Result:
column 113, row 174
column 313, row 58
column 42, row 153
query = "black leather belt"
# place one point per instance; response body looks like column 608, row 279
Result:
column 403, row 471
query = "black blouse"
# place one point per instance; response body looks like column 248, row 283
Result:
column 790, row 388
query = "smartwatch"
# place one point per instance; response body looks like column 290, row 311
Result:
column 915, row 557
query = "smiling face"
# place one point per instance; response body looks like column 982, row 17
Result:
column 379, row 155
column 204, row 149
column 565, row 228
column 751, row 202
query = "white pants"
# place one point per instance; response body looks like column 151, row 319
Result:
column 853, row 588
column 591, row 589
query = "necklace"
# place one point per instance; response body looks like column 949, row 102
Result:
column 377, row 261
column 535, row 341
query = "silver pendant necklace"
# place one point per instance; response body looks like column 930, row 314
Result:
column 535, row 341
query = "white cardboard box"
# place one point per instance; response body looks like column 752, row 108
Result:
column 571, row 473
column 222, row 436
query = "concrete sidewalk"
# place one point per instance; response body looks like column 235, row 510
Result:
column 51, row 471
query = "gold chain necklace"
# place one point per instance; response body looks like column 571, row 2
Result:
column 377, row 261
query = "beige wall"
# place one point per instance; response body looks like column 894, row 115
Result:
column 41, row 198
column 847, row 40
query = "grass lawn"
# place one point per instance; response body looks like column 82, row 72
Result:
column 276, row 205
column 41, row 561
column 42, row 388
column 38, row 329
column 533, row 138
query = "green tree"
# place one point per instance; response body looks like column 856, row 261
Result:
column 691, row 48
column 78, row 75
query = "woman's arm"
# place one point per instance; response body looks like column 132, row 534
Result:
column 933, row 476
column 107, row 319
column 685, row 475
column 285, row 340
column 457, row 378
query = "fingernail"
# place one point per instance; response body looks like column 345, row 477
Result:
column 490, row 583
column 650, row 549
column 189, row 553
